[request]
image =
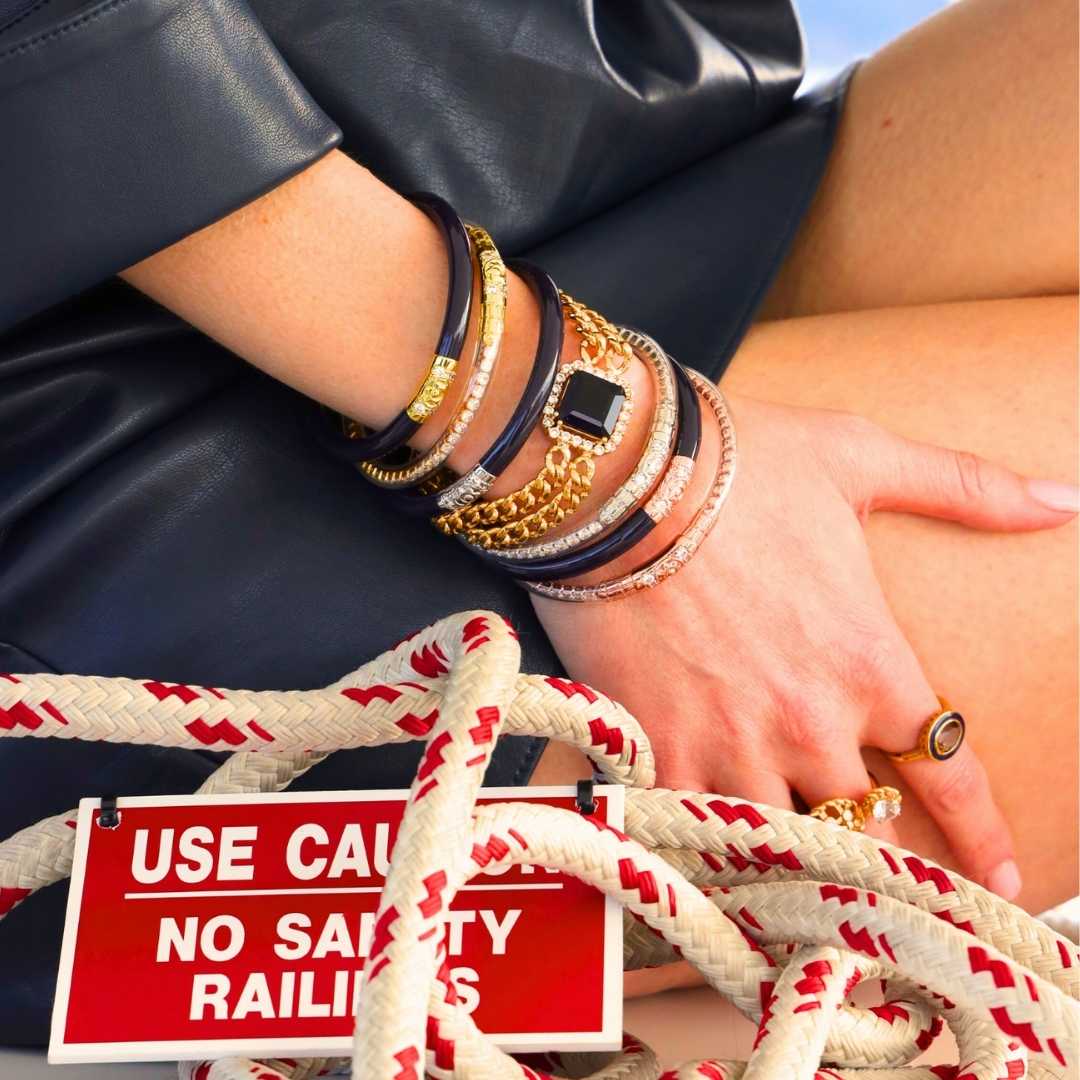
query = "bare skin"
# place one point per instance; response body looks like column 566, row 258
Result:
column 930, row 197
column 953, row 180
column 954, row 173
column 237, row 280
column 944, row 152
column 992, row 618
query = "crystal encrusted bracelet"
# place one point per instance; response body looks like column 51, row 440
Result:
column 443, row 492
column 642, row 521
column 654, row 458
column 585, row 416
column 679, row 553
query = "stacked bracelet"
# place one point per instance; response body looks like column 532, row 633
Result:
column 349, row 441
column 674, row 442
column 488, row 340
column 658, row 448
column 585, row 416
column 465, row 490
column 678, row 554
column 583, row 406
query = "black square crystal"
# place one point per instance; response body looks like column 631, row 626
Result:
column 591, row 405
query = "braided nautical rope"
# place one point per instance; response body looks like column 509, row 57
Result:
column 781, row 913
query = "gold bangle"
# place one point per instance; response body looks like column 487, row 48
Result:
column 432, row 392
column 488, row 339
column 565, row 480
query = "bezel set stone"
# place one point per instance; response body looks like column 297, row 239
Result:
column 675, row 559
column 657, row 450
column 561, row 432
column 944, row 724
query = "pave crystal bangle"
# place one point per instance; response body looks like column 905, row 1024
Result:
column 645, row 518
column 675, row 430
column 679, row 553
column 658, row 448
column 488, row 340
column 466, row 489
column 344, row 437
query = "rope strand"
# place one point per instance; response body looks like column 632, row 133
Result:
column 781, row 913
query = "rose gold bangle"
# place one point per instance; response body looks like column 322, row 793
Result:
column 679, row 553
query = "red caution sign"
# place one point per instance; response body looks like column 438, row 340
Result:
column 206, row 926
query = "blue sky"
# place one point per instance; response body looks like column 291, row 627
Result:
column 838, row 31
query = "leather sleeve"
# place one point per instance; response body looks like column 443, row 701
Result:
column 534, row 116
column 128, row 124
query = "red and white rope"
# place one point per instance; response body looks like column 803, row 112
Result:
column 781, row 913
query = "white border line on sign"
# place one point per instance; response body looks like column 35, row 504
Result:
column 352, row 890
column 609, row 1037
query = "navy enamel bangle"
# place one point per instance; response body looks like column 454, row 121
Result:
column 465, row 490
column 340, row 436
column 642, row 521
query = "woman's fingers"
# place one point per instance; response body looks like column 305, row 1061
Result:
column 840, row 775
column 901, row 474
column 755, row 784
column 677, row 976
column 956, row 792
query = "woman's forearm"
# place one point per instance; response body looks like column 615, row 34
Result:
column 336, row 285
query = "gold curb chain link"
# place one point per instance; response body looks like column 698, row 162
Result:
column 565, row 480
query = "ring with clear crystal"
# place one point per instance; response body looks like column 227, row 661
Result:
column 882, row 804
column 846, row 813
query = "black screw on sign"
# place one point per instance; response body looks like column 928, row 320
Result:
column 109, row 818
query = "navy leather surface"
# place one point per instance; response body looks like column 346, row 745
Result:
column 127, row 124
column 533, row 117
column 162, row 508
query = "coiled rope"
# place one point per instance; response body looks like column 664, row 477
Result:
column 781, row 913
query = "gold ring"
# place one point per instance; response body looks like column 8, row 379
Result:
column 882, row 803
column 845, row 812
column 879, row 804
column 940, row 738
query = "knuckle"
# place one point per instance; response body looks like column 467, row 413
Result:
column 806, row 722
column 857, row 428
column 972, row 479
column 872, row 659
column 961, row 783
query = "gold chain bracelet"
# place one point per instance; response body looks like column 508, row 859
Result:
column 585, row 415
column 544, row 502
column 601, row 342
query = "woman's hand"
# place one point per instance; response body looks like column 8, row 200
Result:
column 766, row 664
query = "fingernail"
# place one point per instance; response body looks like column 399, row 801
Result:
column 1056, row 495
column 1004, row 879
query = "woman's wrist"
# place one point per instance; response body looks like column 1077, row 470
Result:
column 361, row 341
column 675, row 524
column 331, row 283
column 519, row 341
column 515, row 363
